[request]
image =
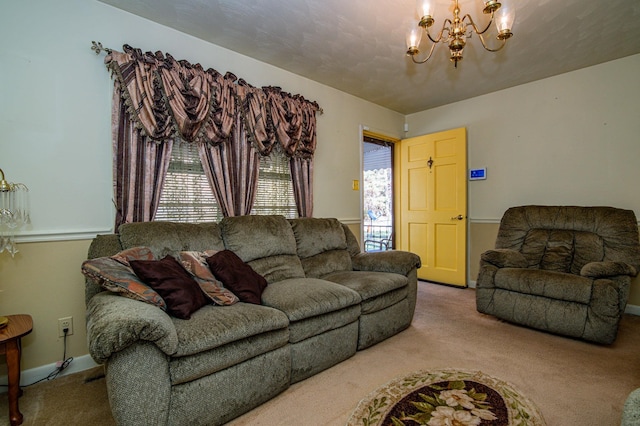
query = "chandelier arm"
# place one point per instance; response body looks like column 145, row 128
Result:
column 413, row 57
column 473, row 25
column 442, row 30
column 484, row 44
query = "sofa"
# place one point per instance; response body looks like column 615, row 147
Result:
column 562, row 269
column 631, row 410
column 323, row 300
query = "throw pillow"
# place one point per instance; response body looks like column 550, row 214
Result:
column 166, row 276
column 237, row 276
column 119, row 278
column 134, row 253
column 195, row 262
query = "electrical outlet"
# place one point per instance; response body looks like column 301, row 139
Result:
column 66, row 322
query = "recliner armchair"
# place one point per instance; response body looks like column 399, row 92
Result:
column 561, row 269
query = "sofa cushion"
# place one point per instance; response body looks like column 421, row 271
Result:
column 195, row 262
column 171, row 238
column 215, row 326
column 185, row 369
column 313, row 306
column 179, row 290
column 315, row 235
column 588, row 247
column 378, row 290
column 327, row 262
column 301, row 298
column 266, row 243
column 567, row 287
column 116, row 277
column 237, row 276
column 322, row 246
column 562, row 250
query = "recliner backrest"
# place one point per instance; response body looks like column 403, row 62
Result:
column 565, row 238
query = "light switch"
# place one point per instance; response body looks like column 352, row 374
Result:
column 356, row 185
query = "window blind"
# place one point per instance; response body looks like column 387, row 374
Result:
column 187, row 196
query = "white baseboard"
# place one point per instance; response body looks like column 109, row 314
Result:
column 32, row 375
column 631, row 309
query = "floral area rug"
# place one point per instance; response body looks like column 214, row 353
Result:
column 446, row 398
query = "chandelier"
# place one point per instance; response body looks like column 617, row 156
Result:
column 454, row 32
column 14, row 212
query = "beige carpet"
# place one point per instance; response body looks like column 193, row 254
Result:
column 571, row 382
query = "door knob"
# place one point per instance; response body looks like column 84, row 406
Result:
column 459, row 217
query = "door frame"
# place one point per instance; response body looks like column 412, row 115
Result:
column 366, row 132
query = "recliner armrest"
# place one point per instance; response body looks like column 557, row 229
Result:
column 607, row 269
column 504, row 258
column 397, row 261
column 115, row 322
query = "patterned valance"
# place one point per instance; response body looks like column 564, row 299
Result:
column 167, row 98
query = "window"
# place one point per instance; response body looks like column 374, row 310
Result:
column 275, row 190
column 187, row 196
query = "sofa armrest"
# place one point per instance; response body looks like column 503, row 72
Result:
column 504, row 258
column 115, row 322
column 397, row 261
column 607, row 269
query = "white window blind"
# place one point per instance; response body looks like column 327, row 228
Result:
column 187, row 196
column 275, row 190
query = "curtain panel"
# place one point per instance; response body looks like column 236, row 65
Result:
column 232, row 122
column 139, row 168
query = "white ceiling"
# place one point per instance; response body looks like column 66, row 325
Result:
column 357, row 46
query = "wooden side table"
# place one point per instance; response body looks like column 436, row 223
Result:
column 18, row 326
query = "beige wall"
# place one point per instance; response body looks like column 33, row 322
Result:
column 44, row 281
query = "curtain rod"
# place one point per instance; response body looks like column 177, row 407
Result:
column 97, row 47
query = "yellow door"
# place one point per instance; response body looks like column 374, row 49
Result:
column 432, row 183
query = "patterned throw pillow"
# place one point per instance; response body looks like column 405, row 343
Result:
column 114, row 274
column 196, row 264
column 134, row 253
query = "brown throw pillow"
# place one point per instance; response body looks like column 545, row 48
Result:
column 237, row 276
column 179, row 290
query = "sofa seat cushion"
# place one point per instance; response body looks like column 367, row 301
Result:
column 214, row 326
column 378, row 290
column 313, row 306
column 550, row 284
column 301, row 298
column 191, row 367
column 314, row 326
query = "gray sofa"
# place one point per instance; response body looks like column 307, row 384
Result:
column 562, row 269
column 324, row 301
column 631, row 411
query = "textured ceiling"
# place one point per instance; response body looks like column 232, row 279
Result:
column 357, row 46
